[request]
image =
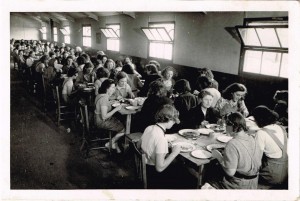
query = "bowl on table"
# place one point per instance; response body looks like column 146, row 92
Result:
column 189, row 133
column 185, row 146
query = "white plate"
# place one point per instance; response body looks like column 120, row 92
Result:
column 211, row 126
column 201, row 154
column 185, row 146
column 224, row 138
column 132, row 107
column 205, row 131
column 171, row 138
column 210, row 147
column 189, row 132
column 116, row 104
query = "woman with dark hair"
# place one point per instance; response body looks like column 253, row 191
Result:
column 101, row 74
column 205, row 72
column 69, row 94
column 151, row 75
column 104, row 112
column 241, row 158
column 128, row 60
column 167, row 77
column 281, row 106
column 157, row 97
column 203, row 113
column 232, row 100
column 272, row 139
column 184, row 102
column 133, row 80
column 88, row 76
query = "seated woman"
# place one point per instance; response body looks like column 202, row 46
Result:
column 42, row 64
column 152, row 75
column 167, row 77
column 157, row 97
column 69, row 94
column 104, row 112
column 101, row 74
column 184, row 102
column 272, row 140
column 205, row 72
column 88, row 76
column 128, row 60
column 203, row 113
column 123, row 90
column 133, row 80
column 110, row 65
column 241, row 158
column 281, row 106
column 232, row 100
column 155, row 146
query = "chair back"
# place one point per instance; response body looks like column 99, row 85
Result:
column 140, row 163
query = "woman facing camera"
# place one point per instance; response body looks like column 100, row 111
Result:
column 204, row 113
column 103, row 117
column 123, row 90
column 232, row 100
column 272, row 139
column 241, row 158
column 167, row 77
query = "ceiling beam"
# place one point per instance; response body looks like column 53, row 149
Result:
column 30, row 15
column 48, row 16
column 130, row 14
column 92, row 15
column 63, row 16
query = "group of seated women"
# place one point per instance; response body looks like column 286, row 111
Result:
column 259, row 155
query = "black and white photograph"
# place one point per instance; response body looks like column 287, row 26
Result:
column 171, row 100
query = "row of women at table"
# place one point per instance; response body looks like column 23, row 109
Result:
column 188, row 110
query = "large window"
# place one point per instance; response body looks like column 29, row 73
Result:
column 66, row 31
column 87, row 36
column 161, row 39
column 44, row 33
column 55, row 34
column 265, row 47
column 112, row 33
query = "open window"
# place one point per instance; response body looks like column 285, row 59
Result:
column 161, row 39
column 264, row 47
column 87, row 36
column 44, row 32
column 55, row 34
column 66, row 32
column 112, row 33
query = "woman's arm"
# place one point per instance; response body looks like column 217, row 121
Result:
column 105, row 114
column 162, row 162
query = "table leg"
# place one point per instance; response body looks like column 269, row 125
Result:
column 200, row 176
column 127, row 130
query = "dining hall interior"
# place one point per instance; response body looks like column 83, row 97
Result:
column 149, row 100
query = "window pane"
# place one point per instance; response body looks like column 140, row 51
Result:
column 283, row 36
column 86, row 31
column 44, row 30
column 270, row 63
column 115, row 27
column 156, row 35
column 44, row 36
column 113, row 45
column 67, row 30
column 54, row 30
column 161, row 50
column 148, row 34
column 67, row 39
column 164, row 34
column 112, row 33
column 169, row 27
column 284, row 66
column 249, row 36
column 168, row 51
column 268, row 37
column 104, row 31
column 86, row 41
column 55, row 38
column 252, row 61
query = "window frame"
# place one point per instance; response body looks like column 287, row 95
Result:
column 262, row 49
column 112, row 35
column 161, row 42
column 44, row 32
column 87, row 36
column 55, row 34
column 66, row 33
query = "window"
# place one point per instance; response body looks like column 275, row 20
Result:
column 112, row 33
column 86, row 36
column 44, row 33
column 66, row 31
column 55, row 34
column 161, row 39
column 265, row 47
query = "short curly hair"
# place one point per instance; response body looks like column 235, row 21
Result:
column 157, row 88
column 169, row 68
column 167, row 113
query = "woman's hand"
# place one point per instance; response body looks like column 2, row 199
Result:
column 118, row 108
column 176, row 149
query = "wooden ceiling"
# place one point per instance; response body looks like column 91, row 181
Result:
column 60, row 17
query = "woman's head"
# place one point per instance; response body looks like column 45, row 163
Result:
column 205, row 72
column 127, row 60
column 264, row 116
column 102, row 72
column 206, row 98
column 235, row 92
column 155, row 63
column 168, row 73
column 236, row 122
column 109, row 64
column 72, row 72
column 281, row 96
column 80, row 60
column 182, row 86
column 107, row 86
column 121, row 79
column 166, row 114
column 203, row 83
column 44, row 59
column 87, row 69
column 151, row 69
column 157, row 88
column 128, row 68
